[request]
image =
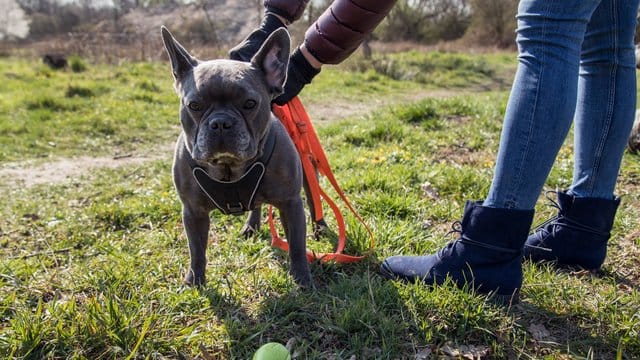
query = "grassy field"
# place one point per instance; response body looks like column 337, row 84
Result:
column 91, row 268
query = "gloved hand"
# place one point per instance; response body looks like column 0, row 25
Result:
column 299, row 73
column 250, row 46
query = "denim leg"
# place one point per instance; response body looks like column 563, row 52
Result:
column 606, row 98
column 543, row 98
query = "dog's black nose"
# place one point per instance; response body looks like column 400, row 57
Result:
column 220, row 123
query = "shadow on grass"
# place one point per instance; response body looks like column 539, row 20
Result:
column 575, row 319
column 352, row 311
column 628, row 281
column 355, row 312
column 555, row 334
column 232, row 314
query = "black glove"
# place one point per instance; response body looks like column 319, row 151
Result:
column 299, row 74
column 250, row 46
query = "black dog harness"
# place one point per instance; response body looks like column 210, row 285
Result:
column 235, row 197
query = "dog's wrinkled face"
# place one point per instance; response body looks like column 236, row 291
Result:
column 226, row 105
column 224, row 114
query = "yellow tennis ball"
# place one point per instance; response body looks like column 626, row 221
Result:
column 272, row 351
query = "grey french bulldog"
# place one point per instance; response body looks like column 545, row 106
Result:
column 233, row 153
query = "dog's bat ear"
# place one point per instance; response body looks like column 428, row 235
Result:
column 273, row 59
column 181, row 61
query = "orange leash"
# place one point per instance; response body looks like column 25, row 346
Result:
column 298, row 124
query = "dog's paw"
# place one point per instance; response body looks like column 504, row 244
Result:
column 248, row 231
column 252, row 225
column 303, row 279
column 305, row 284
column 320, row 228
column 194, row 280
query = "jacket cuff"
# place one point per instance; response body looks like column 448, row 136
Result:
column 291, row 10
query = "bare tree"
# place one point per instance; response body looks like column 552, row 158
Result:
column 120, row 8
column 493, row 22
column 152, row 3
column 259, row 7
column 426, row 20
column 13, row 20
column 212, row 28
column 43, row 6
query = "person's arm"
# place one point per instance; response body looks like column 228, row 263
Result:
column 343, row 27
column 332, row 38
column 278, row 13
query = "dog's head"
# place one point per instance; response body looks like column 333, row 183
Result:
column 225, row 105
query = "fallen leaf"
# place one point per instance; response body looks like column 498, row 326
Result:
column 423, row 354
column 581, row 273
column 538, row 332
column 625, row 288
column 429, row 191
column 205, row 353
column 471, row 352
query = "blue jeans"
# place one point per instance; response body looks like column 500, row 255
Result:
column 576, row 64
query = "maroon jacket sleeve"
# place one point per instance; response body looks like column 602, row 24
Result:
column 289, row 9
column 343, row 27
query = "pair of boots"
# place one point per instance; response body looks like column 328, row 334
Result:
column 492, row 243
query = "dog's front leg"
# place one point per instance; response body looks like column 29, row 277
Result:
column 196, row 224
column 295, row 227
column 252, row 225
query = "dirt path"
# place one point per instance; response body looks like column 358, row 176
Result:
column 60, row 170
column 27, row 174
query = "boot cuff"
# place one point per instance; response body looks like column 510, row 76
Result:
column 597, row 213
column 501, row 227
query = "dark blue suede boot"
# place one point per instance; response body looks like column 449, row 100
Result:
column 578, row 235
column 487, row 255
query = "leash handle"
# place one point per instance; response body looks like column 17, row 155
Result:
column 298, row 124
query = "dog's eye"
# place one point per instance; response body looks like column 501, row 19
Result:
column 250, row 104
column 195, row 106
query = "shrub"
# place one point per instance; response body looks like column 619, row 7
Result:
column 426, row 21
column 77, row 64
column 493, row 22
column 78, row 91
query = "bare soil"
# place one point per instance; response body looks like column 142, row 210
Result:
column 27, row 174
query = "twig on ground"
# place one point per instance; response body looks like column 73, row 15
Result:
column 48, row 252
column 205, row 353
column 118, row 157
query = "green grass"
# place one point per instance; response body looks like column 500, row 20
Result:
column 438, row 69
column 102, row 110
column 114, row 110
column 92, row 269
column 400, row 75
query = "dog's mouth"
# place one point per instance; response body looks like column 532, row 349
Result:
column 219, row 158
column 224, row 158
column 230, row 149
